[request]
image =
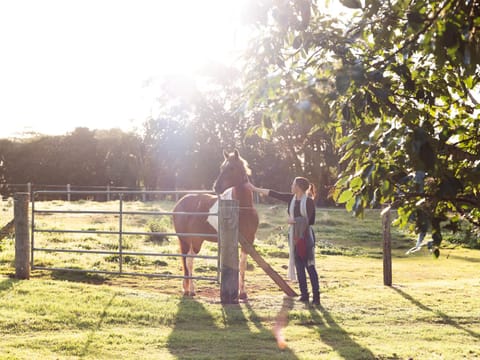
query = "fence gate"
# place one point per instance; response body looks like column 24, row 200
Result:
column 118, row 250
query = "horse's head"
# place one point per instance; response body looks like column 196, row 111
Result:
column 233, row 172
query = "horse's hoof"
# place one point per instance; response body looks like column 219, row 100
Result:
column 188, row 294
column 243, row 296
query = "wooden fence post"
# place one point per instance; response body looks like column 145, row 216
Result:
column 387, row 247
column 228, row 246
column 69, row 197
column 22, row 238
column 29, row 189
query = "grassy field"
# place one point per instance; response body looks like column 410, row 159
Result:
column 431, row 312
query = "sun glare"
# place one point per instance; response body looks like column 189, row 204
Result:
column 85, row 63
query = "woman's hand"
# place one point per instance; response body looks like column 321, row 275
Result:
column 291, row 221
column 252, row 187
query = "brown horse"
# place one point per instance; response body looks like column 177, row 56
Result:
column 233, row 174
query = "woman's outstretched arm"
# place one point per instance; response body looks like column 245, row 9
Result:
column 286, row 197
column 257, row 189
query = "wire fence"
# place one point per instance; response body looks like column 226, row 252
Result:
column 69, row 192
column 120, row 251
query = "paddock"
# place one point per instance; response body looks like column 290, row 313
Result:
column 72, row 314
column 30, row 248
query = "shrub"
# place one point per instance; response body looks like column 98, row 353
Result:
column 467, row 237
column 158, row 225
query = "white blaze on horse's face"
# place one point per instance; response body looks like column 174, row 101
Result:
column 232, row 173
column 226, row 177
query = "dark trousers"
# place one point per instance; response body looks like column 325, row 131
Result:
column 301, row 265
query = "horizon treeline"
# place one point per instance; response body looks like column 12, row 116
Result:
column 166, row 154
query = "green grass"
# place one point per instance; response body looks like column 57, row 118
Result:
column 431, row 312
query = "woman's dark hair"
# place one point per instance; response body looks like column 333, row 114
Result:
column 306, row 186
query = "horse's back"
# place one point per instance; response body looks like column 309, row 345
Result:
column 195, row 203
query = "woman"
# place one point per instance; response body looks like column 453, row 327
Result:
column 301, row 240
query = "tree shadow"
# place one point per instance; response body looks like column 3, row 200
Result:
column 445, row 318
column 281, row 321
column 464, row 258
column 197, row 334
column 6, row 285
column 77, row 276
column 338, row 338
column 98, row 326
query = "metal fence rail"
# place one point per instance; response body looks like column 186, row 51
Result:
column 121, row 253
column 100, row 193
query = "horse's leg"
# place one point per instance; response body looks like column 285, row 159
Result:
column 190, row 289
column 185, row 246
column 241, row 279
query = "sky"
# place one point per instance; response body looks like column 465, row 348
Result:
column 84, row 63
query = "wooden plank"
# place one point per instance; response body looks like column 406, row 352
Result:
column 250, row 249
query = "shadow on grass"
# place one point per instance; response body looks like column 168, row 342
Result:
column 445, row 318
column 464, row 258
column 337, row 338
column 81, row 277
column 197, row 334
column 281, row 321
column 6, row 285
column 98, row 326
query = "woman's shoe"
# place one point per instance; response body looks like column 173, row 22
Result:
column 303, row 298
column 316, row 299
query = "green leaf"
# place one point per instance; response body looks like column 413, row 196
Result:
column 386, row 187
column 347, row 155
column 352, row 4
column 469, row 82
column 313, row 130
column 368, row 171
column 345, row 196
column 358, row 206
column 356, row 184
column 350, row 204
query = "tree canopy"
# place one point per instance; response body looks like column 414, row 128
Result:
column 394, row 85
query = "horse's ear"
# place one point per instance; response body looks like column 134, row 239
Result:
column 225, row 155
column 236, row 154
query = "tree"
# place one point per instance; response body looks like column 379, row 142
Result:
column 395, row 87
column 117, row 158
column 83, row 158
